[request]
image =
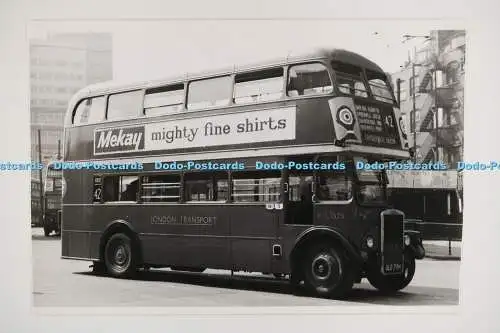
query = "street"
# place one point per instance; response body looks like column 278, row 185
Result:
column 63, row 283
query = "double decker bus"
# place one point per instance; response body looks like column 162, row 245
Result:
column 53, row 198
column 246, row 169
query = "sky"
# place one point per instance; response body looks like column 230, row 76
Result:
column 152, row 50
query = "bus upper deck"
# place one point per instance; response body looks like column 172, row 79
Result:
column 287, row 103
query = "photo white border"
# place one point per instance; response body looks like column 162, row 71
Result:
column 479, row 279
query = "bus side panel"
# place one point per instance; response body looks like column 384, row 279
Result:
column 171, row 235
column 253, row 232
column 178, row 235
column 75, row 239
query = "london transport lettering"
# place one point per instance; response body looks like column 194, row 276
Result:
column 183, row 220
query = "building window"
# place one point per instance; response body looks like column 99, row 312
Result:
column 162, row 188
column 403, row 95
column 412, row 121
column 164, row 100
column 308, row 79
column 124, row 105
column 259, row 86
column 452, row 70
column 256, row 186
column 413, row 82
column 210, row 92
column 206, row 186
column 120, row 188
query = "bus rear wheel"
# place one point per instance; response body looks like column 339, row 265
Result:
column 393, row 283
column 326, row 271
column 119, row 256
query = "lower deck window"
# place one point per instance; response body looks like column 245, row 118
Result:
column 334, row 186
column 206, row 187
column 162, row 188
column 256, row 187
column 120, row 188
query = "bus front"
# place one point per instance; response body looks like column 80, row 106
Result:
column 369, row 126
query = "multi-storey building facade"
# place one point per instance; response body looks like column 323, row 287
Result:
column 61, row 65
column 432, row 97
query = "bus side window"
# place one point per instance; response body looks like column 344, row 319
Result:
column 300, row 187
column 120, row 188
column 210, row 92
column 161, row 188
column 164, row 100
column 334, row 186
column 90, row 110
column 256, row 186
column 259, row 86
column 308, row 79
column 206, row 186
column 124, row 105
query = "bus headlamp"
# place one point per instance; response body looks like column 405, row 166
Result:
column 369, row 242
column 407, row 240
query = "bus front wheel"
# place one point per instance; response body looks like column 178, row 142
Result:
column 326, row 271
column 119, row 256
column 393, row 283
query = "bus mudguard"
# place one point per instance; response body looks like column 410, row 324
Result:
column 117, row 226
column 416, row 247
column 314, row 232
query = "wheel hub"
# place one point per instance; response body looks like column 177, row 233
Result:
column 322, row 267
column 120, row 255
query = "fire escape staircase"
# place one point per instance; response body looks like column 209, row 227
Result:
column 425, row 107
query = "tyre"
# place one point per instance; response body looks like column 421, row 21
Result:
column 327, row 272
column 393, row 283
column 120, row 257
column 47, row 231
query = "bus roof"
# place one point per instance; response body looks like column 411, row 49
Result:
column 325, row 54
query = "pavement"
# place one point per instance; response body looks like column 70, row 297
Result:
column 443, row 250
column 69, row 284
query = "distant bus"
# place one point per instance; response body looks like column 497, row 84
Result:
column 53, row 197
column 36, row 206
column 246, row 169
column 433, row 197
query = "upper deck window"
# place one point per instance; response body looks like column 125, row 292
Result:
column 349, row 79
column 308, row 79
column 261, row 86
column 164, row 100
column 379, row 86
column 210, row 92
column 124, row 105
column 90, row 110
